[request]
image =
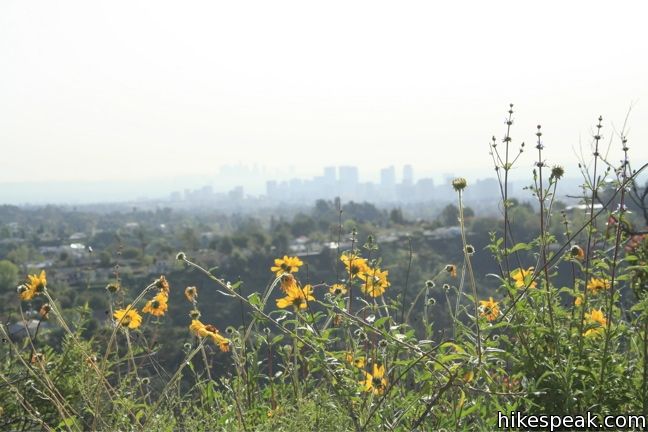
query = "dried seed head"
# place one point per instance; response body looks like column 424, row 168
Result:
column 44, row 311
column 112, row 288
column 557, row 172
column 459, row 184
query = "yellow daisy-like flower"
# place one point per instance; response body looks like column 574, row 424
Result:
column 597, row 318
column 521, row 277
column 358, row 362
column 578, row 300
column 337, row 289
column 128, row 317
column 375, row 382
column 286, row 265
column 191, row 293
column 596, row 285
column 34, row 286
column 296, row 297
column 201, row 330
column 452, row 269
column 375, row 282
column 489, row 309
column 158, row 305
column 355, row 265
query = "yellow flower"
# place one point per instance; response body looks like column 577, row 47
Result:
column 452, row 269
column 286, row 265
column 597, row 318
column 34, row 287
column 198, row 328
column 296, row 297
column 201, row 330
column 578, row 300
column 338, row 289
column 521, row 277
column 158, row 306
column 375, row 282
column 191, row 293
column 128, row 317
column 489, row 309
column 358, row 362
column 595, row 285
column 375, row 382
column 355, row 265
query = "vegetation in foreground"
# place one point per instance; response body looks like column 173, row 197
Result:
column 347, row 354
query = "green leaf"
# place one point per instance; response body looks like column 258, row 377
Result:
column 518, row 247
column 255, row 299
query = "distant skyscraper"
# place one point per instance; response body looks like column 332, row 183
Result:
column 408, row 175
column 388, row 177
column 349, row 175
column 330, row 175
column 271, row 188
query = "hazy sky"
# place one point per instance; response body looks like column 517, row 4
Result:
column 97, row 90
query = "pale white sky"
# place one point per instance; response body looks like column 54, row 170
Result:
column 98, row 90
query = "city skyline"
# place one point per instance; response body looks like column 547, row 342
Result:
column 255, row 183
column 143, row 90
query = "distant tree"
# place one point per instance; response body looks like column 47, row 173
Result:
column 8, row 275
column 143, row 238
column 302, row 225
column 131, row 253
column 449, row 215
column 396, row 216
column 240, row 240
column 190, row 239
column 104, row 259
column 280, row 242
column 225, row 246
column 362, row 212
column 19, row 255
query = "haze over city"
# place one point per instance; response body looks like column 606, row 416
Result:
column 144, row 98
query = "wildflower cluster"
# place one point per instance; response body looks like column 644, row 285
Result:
column 373, row 280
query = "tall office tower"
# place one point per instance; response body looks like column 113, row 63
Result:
column 330, row 175
column 408, row 175
column 388, row 177
column 348, row 176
